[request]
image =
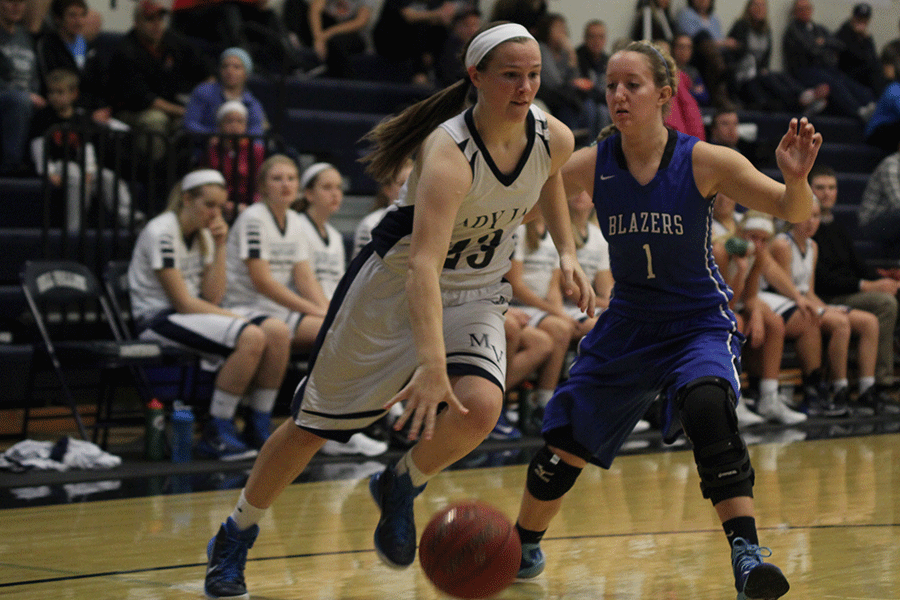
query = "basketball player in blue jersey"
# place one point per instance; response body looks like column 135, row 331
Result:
column 419, row 316
column 668, row 329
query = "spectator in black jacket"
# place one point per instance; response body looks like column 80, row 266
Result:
column 811, row 55
column 66, row 47
column 843, row 278
column 151, row 75
column 859, row 57
column 592, row 58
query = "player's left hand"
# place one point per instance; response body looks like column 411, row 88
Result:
column 576, row 284
column 421, row 397
column 797, row 151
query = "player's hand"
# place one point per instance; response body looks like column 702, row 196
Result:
column 797, row 151
column 428, row 388
column 219, row 229
column 804, row 304
column 576, row 285
column 756, row 329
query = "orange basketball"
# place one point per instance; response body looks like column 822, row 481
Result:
column 470, row 549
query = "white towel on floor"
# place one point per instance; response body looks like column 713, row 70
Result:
column 65, row 454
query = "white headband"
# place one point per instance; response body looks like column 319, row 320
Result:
column 230, row 107
column 486, row 41
column 202, row 177
column 758, row 223
column 310, row 173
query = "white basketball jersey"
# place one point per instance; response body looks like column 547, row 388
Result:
column 801, row 263
column 481, row 244
column 326, row 254
column 593, row 256
column 539, row 263
column 256, row 234
column 162, row 246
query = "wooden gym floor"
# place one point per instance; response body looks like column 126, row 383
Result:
column 828, row 504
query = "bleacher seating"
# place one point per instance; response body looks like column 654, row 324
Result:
column 325, row 119
column 21, row 202
column 339, row 95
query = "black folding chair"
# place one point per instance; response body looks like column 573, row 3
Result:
column 78, row 331
column 115, row 280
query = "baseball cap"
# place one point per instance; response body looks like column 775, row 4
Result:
column 151, row 8
column 862, row 10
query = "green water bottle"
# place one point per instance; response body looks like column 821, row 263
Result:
column 155, row 431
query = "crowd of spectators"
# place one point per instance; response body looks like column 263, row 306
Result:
column 149, row 79
column 173, row 76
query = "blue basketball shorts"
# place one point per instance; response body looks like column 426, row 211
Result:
column 623, row 365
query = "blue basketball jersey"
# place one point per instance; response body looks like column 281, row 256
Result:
column 659, row 235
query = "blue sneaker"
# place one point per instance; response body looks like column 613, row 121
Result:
column 257, row 428
column 532, row 563
column 220, row 440
column 504, row 431
column 753, row 578
column 395, row 534
column 227, row 553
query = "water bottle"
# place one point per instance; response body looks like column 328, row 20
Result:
column 154, row 433
column 182, row 433
column 737, row 246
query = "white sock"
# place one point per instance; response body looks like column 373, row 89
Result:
column 246, row 515
column 408, row 465
column 541, row 397
column 839, row 384
column 263, row 400
column 768, row 387
column 865, row 383
column 223, row 405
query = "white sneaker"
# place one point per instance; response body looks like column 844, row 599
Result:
column 773, row 408
column 641, row 425
column 359, row 443
column 746, row 417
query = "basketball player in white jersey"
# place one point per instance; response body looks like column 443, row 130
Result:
column 419, row 316
column 177, row 279
column 268, row 268
column 322, row 192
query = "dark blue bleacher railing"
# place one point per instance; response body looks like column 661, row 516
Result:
column 43, row 221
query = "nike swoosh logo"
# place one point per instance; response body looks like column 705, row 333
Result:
column 605, row 177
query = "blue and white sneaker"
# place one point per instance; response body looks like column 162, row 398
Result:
column 257, row 429
column 227, row 554
column 504, row 431
column 753, row 578
column 532, row 563
column 220, row 440
column 395, row 534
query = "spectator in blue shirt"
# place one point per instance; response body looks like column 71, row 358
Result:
column 235, row 66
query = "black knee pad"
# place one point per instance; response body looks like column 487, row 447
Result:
column 706, row 409
column 549, row 478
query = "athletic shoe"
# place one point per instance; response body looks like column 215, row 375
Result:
column 641, row 425
column 257, row 428
column 745, row 416
column 395, row 534
column 220, row 440
column 532, row 563
column 878, row 402
column 227, row 554
column 504, row 431
column 753, row 578
column 819, row 403
column 773, row 408
column 359, row 443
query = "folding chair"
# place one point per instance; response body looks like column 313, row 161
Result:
column 115, row 280
column 77, row 330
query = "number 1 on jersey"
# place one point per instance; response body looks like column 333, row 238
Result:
column 650, row 273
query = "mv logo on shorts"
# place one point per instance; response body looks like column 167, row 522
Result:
column 483, row 341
